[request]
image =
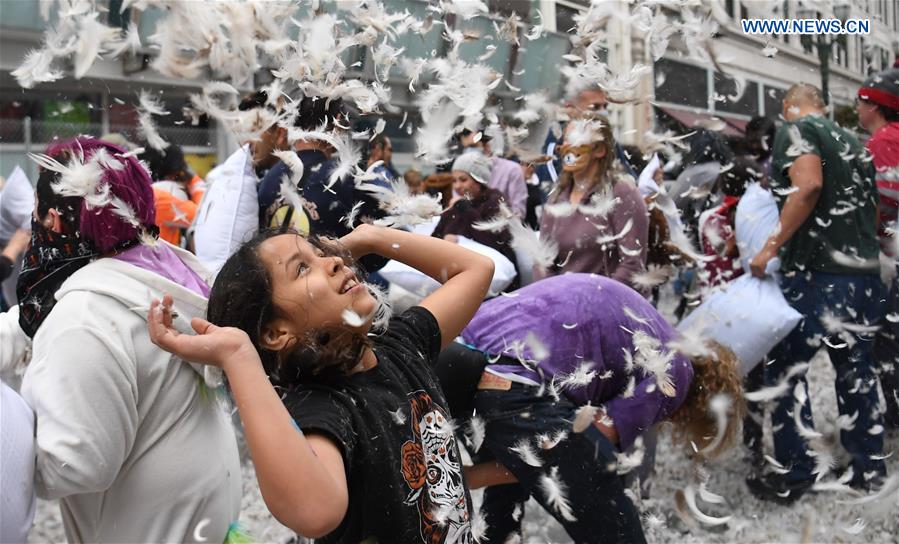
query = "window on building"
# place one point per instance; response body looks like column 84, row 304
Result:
column 565, row 17
column 541, row 62
column 505, row 8
column 735, row 9
column 773, row 100
column 679, row 83
column 729, row 97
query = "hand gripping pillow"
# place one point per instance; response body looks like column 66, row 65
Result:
column 229, row 213
column 749, row 315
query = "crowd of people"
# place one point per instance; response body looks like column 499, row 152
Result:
column 146, row 295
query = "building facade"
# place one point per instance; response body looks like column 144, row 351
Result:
column 682, row 91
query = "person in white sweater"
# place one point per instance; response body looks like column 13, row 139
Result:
column 136, row 447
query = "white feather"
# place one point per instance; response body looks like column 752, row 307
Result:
column 689, row 494
column 583, row 418
column 293, row 163
column 767, row 394
column 476, row 432
column 36, row 68
column 719, row 407
column 526, row 452
column 555, row 492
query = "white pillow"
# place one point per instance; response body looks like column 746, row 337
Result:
column 749, row 315
column 756, row 218
column 229, row 213
column 412, row 280
column 16, row 204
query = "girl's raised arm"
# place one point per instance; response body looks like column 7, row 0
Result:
column 465, row 275
column 302, row 479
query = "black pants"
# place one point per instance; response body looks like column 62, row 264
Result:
column 583, row 463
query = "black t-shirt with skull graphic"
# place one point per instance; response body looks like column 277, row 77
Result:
column 403, row 467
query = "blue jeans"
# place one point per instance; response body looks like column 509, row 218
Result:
column 886, row 353
column 855, row 300
column 583, row 462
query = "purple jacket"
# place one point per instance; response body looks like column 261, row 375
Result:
column 508, row 179
column 585, row 317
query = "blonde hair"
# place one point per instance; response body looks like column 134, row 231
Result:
column 566, row 180
column 716, row 392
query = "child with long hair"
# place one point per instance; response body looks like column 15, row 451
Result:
column 550, row 354
column 348, row 430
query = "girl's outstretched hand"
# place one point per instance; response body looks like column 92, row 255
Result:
column 212, row 345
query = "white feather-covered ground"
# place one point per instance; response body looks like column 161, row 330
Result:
column 820, row 515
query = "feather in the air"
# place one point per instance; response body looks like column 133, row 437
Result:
column 688, row 494
column 526, row 452
column 555, row 492
column 583, row 418
column 477, row 429
column 767, row 394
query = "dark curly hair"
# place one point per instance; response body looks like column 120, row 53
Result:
column 241, row 297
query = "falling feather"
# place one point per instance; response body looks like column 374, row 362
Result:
column 581, row 376
column 526, row 452
column 583, row 418
column 349, row 220
column 719, row 407
column 401, row 206
column 36, row 68
column 688, row 496
column 555, row 493
column 856, row 528
column 476, row 431
column 293, row 163
column 548, row 442
column 767, row 394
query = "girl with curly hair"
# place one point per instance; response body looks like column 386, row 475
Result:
column 345, row 420
column 606, row 360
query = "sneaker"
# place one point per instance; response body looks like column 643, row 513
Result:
column 775, row 488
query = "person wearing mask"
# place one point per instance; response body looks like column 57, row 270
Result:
column 827, row 244
column 506, row 176
column 133, row 444
column 585, row 103
column 878, row 113
column 597, row 218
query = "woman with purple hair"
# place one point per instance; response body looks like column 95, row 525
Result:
column 136, row 448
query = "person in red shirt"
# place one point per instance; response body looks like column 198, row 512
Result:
column 878, row 113
column 716, row 226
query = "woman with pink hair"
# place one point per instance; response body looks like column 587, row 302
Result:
column 136, row 448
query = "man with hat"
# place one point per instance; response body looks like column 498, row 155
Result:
column 878, row 113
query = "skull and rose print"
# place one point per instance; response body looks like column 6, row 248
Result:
column 433, row 471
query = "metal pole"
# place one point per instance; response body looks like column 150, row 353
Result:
column 30, row 166
column 824, row 57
